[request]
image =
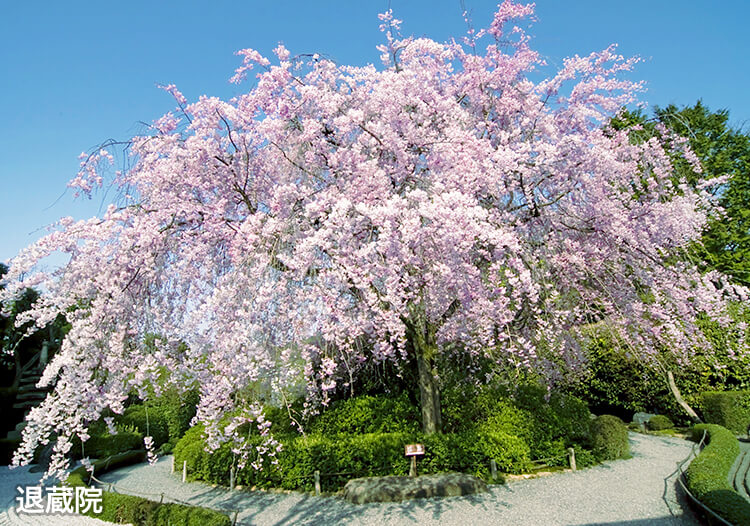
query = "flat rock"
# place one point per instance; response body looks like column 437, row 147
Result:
column 396, row 489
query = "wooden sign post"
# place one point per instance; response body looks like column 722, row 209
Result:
column 413, row 451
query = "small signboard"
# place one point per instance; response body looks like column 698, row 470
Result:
column 411, row 450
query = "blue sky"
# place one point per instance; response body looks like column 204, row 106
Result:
column 74, row 74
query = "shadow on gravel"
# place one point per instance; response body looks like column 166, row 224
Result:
column 308, row 510
column 660, row 521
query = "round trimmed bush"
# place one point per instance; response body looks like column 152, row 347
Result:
column 609, row 438
column 659, row 423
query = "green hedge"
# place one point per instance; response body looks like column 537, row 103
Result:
column 729, row 409
column 659, row 423
column 128, row 509
column 344, row 457
column 609, row 438
column 708, row 475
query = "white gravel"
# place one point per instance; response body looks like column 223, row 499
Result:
column 637, row 492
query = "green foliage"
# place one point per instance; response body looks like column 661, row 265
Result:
column 730, row 409
column 556, row 423
column 343, row 457
column 659, row 423
column 177, row 409
column 708, row 475
column 138, row 511
column 617, row 383
column 104, row 465
column 172, row 514
column 548, row 423
column 102, row 444
column 149, row 421
column 368, row 414
column 722, row 150
column 609, row 438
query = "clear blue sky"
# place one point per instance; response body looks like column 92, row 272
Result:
column 73, row 74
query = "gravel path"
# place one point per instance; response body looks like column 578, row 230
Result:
column 635, row 492
column 10, row 479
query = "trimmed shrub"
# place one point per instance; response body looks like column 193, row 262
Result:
column 367, row 414
column 556, row 421
column 165, row 418
column 609, row 438
column 548, row 423
column 343, row 457
column 659, row 423
column 708, row 474
column 105, row 445
column 138, row 511
column 148, row 421
column 729, row 409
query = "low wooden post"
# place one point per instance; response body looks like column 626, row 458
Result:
column 413, row 467
column 161, row 500
column 172, row 463
column 572, row 458
column 231, row 479
column 317, row 482
column 91, row 476
column 184, row 471
column 493, row 469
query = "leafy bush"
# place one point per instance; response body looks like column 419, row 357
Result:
column 165, row 418
column 548, row 423
column 708, row 474
column 659, row 423
column 367, row 414
column 102, row 444
column 729, row 409
column 149, row 421
column 138, row 511
column 609, row 438
column 556, row 421
column 343, row 457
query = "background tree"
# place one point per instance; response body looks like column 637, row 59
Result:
column 443, row 205
column 723, row 151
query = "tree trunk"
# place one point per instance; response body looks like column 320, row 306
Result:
column 429, row 393
column 676, row 392
column 422, row 336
